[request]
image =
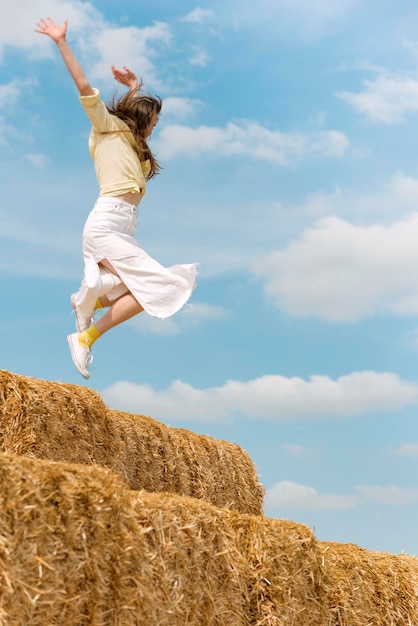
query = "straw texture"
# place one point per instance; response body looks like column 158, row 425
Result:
column 113, row 519
column 63, row 422
column 161, row 458
column 77, row 547
column 285, row 579
column 366, row 588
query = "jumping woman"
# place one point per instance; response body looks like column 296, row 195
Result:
column 118, row 273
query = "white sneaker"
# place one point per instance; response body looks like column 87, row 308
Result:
column 82, row 321
column 82, row 357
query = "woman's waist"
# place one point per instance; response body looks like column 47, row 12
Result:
column 125, row 202
column 121, row 184
column 130, row 197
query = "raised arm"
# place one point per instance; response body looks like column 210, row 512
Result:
column 58, row 34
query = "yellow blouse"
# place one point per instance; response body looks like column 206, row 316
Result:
column 111, row 145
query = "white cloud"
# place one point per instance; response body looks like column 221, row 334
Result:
column 129, row 45
column 403, row 187
column 287, row 494
column 344, row 273
column 388, row 98
column 180, row 401
column 100, row 43
column 246, row 137
column 274, row 398
column 290, row 495
column 19, row 21
column 198, row 16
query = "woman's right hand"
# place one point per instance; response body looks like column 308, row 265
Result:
column 48, row 27
column 127, row 77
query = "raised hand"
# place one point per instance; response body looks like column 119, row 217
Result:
column 48, row 27
column 126, row 77
column 58, row 34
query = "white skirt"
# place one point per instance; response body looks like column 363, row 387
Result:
column 109, row 234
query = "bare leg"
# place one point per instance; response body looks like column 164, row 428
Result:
column 121, row 310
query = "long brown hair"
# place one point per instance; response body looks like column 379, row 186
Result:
column 136, row 109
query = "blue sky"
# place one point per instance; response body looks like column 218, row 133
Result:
column 288, row 142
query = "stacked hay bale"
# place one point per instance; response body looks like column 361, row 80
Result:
column 365, row 587
column 77, row 547
column 62, row 422
column 157, row 457
column 90, row 536
column 285, row 578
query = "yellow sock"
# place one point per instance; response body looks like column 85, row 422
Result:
column 98, row 304
column 88, row 336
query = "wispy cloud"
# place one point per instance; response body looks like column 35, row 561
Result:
column 17, row 31
column 290, row 495
column 200, row 58
column 198, row 16
column 99, row 42
column 388, row 98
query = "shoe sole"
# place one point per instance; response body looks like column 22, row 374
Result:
column 73, row 356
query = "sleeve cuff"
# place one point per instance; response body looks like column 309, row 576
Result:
column 89, row 101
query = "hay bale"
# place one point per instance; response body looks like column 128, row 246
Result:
column 176, row 460
column 48, row 420
column 369, row 588
column 285, row 572
column 77, row 547
column 63, row 422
